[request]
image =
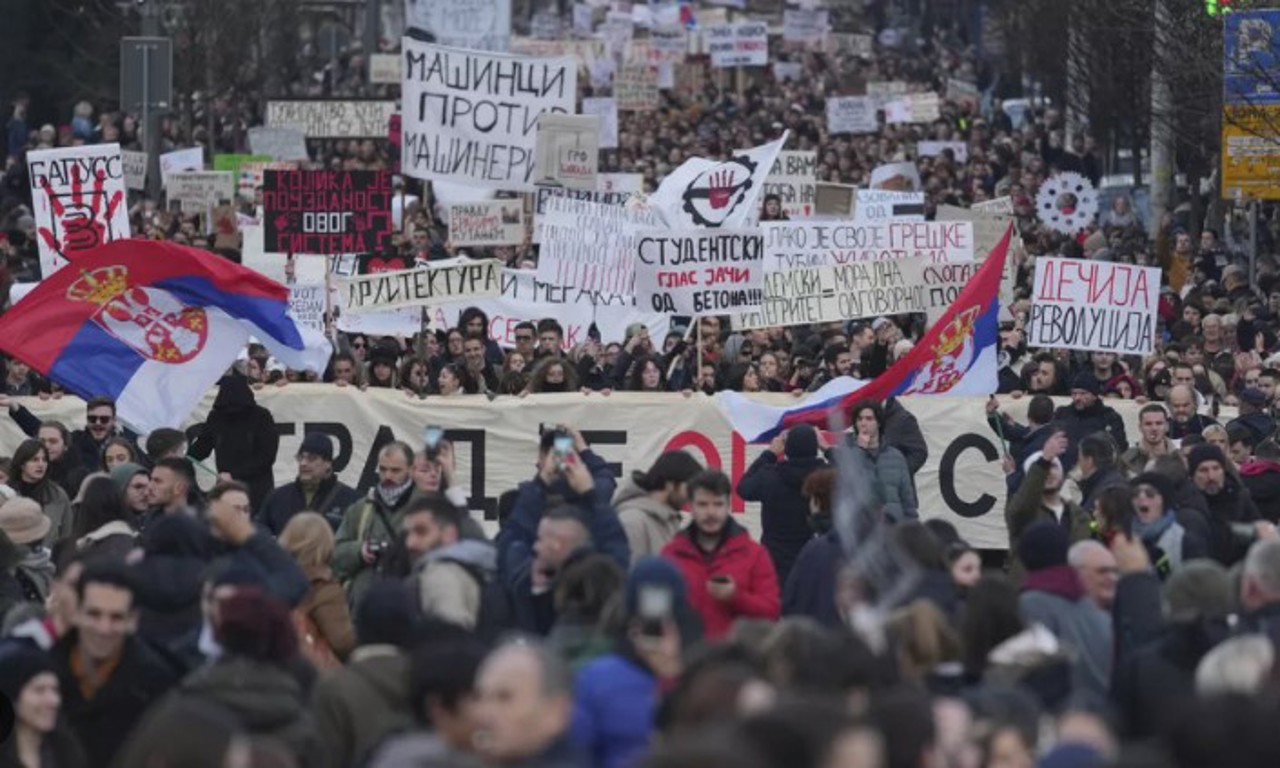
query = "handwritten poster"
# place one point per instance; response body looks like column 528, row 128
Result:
column 493, row 222
column 707, row 272
column 1093, row 305
column 794, row 244
column 331, row 119
column 568, row 150
column 79, row 198
column 591, row 245
column 851, row 114
column 740, row 44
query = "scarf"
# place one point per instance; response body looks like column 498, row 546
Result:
column 37, row 565
column 1151, row 532
column 1060, row 580
column 390, row 496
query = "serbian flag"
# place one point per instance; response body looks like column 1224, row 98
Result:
column 957, row 356
column 152, row 325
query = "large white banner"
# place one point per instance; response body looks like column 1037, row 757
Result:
column 791, row 244
column 497, row 441
column 591, row 245
column 472, row 117
column 1094, row 305
column 483, row 25
column 79, row 198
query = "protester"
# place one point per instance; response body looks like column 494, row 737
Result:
column 776, row 480
column 370, row 526
column 30, row 480
column 40, row 739
column 315, row 489
column 325, row 632
column 649, row 502
column 883, row 464
column 244, row 436
column 452, row 577
column 525, row 708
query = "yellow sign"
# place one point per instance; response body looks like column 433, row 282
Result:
column 1251, row 153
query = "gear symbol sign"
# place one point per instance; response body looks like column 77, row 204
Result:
column 1067, row 203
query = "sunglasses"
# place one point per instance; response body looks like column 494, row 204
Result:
column 98, row 419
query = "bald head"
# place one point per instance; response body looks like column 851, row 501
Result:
column 1182, row 402
column 1097, row 569
column 525, row 701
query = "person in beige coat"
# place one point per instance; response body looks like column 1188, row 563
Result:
column 649, row 503
column 449, row 572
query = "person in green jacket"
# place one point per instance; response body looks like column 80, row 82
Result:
column 884, row 463
column 370, row 526
column 1039, row 498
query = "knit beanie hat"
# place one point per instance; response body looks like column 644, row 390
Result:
column 1199, row 589
column 1043, row 545
column 1202, row 453
column 385, row 616
column 19, row 663
column 802, row 442
column 1088, row 382
column 1158, row 481
column 653, row 571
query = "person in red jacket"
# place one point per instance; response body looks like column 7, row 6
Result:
column 729, row 576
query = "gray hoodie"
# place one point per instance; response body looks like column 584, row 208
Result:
column 649, row 524
column 446, row 580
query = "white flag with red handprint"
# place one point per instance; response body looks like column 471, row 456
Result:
column 79, row 199
column 716, row 193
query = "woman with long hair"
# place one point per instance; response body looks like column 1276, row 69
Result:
column 415, row 377
column 745, row 378
column 39, row 739
column 646, row 375
column 553, row 374
column 102, row 525
column 308, row 537
column 117, row 451
column 449, row 382
column 29, row 476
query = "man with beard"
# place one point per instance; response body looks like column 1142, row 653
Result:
column 1040, row 498
column 1087, row 415
column 316, row 488
column 1182, row 406
column 1153, row 427
column 85, row 444
column 1229, row 504
column 371, row 525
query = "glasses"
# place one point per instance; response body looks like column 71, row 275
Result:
column 98, row 419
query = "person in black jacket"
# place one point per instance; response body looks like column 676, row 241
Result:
column 901, row 430
column 245, row 544
column 244, row 435
column 86, row 444
column 1086, row 415
column 810, row 588
column 316, row 489
column 169, row 578
column 775, row 479
column 1229, row 503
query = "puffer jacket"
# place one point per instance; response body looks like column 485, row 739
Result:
column 757, row 594
column 784, row 511
column 892, row 479
column 649, row 525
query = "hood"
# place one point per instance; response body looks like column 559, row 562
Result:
column 628, row 491
column 169, row 583
column 113, row 528
column 262, row 696
column 633, row 496
column 795, row 471
column 234, row 394
column 468, row 552
column 385, row 673
column 1259, row 467
column 38, row 564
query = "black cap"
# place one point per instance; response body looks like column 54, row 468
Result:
column 317, row 444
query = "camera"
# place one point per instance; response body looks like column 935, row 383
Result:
column 378, row 548
column 1245, row 533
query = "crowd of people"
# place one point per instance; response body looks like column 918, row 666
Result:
column 629, row 621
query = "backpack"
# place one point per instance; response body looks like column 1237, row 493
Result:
column 494, row 617
column 311, row 644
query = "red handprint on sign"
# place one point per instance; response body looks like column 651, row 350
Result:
column 84, row 224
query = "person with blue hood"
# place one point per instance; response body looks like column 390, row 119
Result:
column 775, row 479
column 616, row 696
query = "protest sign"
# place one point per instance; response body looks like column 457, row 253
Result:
column 546, row 24
column 135, row 169
column 494, row 222
column 1094, row 306
column 902, row 175
column 620, row 182
column 190, row 159
column 472, row 117
column 326, row 212
column 741, row 44
column 788, row 70
column 617, row 32
column 583, row 20
column 543, row 194
column 934, row 148
column 232, row 162
column 884, row 91
column 851, row 114
column 79, row 198
column 200, row 190
column 607, row 110
column 805, row 26
column 225, row 222
column 886, row 204
column 821, row 243
column 590, row 245
column 284, row 144
column 635, row 88
column 568, row 150
column 963, row 92
column 912, row 108
column 584, row 52
column 845, row 45
column 330, row 119
column 252, row 171
column 834, row 200
column 482, row 25
column 699, row 272
column 836, row 292
column 1001, row 206
column 419, row 287
column 707, row 193
column 306, row 305
column 384, row 69
column 988, row 230
column 670, row 44
column 793, row 179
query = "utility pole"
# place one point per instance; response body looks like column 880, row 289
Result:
column 372, row 22
column 1162, row 144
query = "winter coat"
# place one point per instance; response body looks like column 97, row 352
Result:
column 264, row 698
column 168, row 586
column 902, row 431
column 371, row 520
column 450, row 580
column 1195, row 425
column 331, row 499
column 282, row 575
column 58, row 749
column 784, row 511
column 811, row 586
column 114, row 540
column 244, row 435
column 357, row 706
column 1099, row 481
column 54, row 503
column 1053, row 597
column 103, row 722
column 35, row 572
column 1230, row 505
column 1081, row 422
column 1259, row 424
column 414, row 749
column 1023, row 441
column 648, row 524
column 1026, row 508
column 737, row 556
column 1134, row 461
column 1262, row 478
column 614, row 701
column 325, row 604
column 892, row 479
column 11, row 590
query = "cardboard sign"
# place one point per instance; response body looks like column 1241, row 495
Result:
column 482, row 25
column 700, row 272
column 198, row 191
column 834, row 200
column 544, row 194
column 847, row 45
column 384, row 69
column 495, row 222
column 591, row 246
column 902, row 176
column 307, row 304
column 821, row 243
column 1001, row 206
column 471, row 117
column 135, row 169
column 793, row 179
column 419, row 287
column 568, row 150
column 884, row 91
column 326, row 212
column 1094, row 306
column 635, row 88
column 934, row 148
column 963, row 92
column 283, row 144
column 742, row 44
column 886, row 205
column 851, row 114
column 607, row 110
column 330, row 119
column 190, row 159
column 784, row 71
column 913, row 108
column 79, row 198
column 805, row 26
